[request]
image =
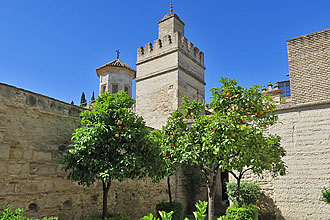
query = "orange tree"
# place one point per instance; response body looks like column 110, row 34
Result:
column 233, row 137
column 112, row 144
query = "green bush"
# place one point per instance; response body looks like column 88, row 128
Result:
column 246, row 212
column 250, row 193
column 9, row 214
column 176, row 207
column 326, row 195
column 110, row 216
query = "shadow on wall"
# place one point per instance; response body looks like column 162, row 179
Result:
column 267, row 209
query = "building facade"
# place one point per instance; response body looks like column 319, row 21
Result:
column 35, row 130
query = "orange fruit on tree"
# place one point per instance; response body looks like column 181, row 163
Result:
column 213, row 129
column 120, row 122
column 171, row 133
column 255, row 114
column 116, row 135
column 236, row 117
column 233, row 135
column 228, row 95
column 192, row 114
column 125, row 128
column 271, row 109
column 217, row 110
column 172, row 144
column 265, row 126
column 261, row 112
column 119, row 127
column 244, row 120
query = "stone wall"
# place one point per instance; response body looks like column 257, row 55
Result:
column 34, row 132
column 305, row 135
column 309, row 67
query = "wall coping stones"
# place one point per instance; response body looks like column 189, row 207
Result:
column 291, row 106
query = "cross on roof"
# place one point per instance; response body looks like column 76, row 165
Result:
column 117, row 51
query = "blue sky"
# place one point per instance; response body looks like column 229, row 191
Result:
column 53, row 47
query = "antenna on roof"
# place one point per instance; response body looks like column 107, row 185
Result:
column 117, row 51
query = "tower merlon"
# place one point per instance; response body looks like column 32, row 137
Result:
column 170, row 43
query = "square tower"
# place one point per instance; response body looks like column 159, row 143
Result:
column 167, row 70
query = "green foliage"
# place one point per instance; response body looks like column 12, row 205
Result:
column 176, row 207
column 199, row 214
column 149, row 217
column 110, row 216
column 232, row 138
column 9, row 214
column 93, row 97
column 194, row 181
column 83, row 101
column 166, row 216
column 326, row 195
column 112, row 143
column 245, row 212
column 250, row 193
column 201, row 209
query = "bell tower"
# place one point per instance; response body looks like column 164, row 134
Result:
column 167, row 70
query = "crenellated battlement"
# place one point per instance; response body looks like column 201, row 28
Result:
column 167, row 44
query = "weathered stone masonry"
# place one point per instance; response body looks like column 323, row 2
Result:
column 34, row 132
column 309, row 66
column 305, row 135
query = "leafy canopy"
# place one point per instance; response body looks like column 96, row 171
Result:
column 111, row 144
column 232, row 137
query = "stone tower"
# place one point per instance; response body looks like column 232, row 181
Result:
column 115, row 76
column 167, row 70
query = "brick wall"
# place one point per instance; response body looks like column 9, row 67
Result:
column 309, row 67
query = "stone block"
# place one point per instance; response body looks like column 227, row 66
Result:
column 3, row 166
column 41, row 155
column 14, row 168
column 4, row 151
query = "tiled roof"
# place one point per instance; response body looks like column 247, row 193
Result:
column 117, row 63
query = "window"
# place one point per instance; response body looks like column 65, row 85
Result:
column 103, row 88
column 285, row 86
column 114, row 89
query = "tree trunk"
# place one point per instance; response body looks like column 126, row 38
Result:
column 211, row 190
column 210, row 200
column 106, row 187
column 169, row 189
column 239, row 191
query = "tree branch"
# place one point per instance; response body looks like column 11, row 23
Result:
column 241, row 174
column 232, row 173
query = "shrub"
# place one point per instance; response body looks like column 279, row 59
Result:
column 250, row 193
column 176, row 207
column 199, row 214
column 326, row 195
column 110, row 216
column 9, row 214
column 246, row 212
